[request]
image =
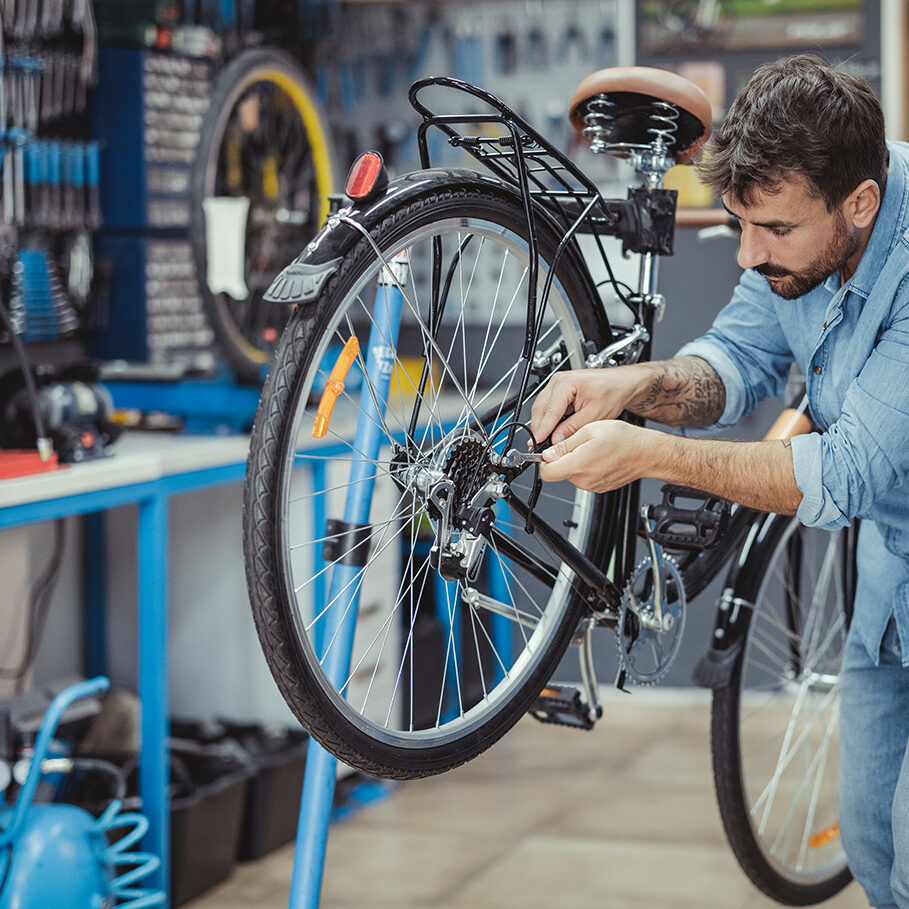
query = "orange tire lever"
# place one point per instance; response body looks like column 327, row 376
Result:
column 335, row 386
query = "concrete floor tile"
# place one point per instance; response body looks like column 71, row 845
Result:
column 852, row 897
column 409, row 868
column 622, row 817
column 662, row 813
column 601, row 874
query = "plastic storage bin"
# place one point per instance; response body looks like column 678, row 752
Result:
column 205, row 830
column 277, row 761
column 210, row 780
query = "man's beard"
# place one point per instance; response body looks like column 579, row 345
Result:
column 841, row 248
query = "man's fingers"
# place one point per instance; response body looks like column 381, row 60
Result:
column 563, row 460
column 564, row 446
column 557, row 467
column 566, row 429
column 549, row 409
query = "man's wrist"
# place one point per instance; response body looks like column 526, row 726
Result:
column 658, row 453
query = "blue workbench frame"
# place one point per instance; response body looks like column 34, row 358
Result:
column 151, row 497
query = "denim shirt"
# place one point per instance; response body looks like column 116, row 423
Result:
column 852, row 344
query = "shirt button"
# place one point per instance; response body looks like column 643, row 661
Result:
column 825, row 326
column 818, row 370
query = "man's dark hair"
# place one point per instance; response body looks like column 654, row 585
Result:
column 801, row 116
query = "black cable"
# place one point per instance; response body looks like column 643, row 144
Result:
column 9, row 865
column 489, row 441
column 616, row 283
column 39, row 606
column 537, row 482
column 29, row 379
column 612, row 278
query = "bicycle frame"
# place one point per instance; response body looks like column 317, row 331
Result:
column 550, row 183
column 552, row 188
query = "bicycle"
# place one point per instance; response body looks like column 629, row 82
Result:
column 469, row 291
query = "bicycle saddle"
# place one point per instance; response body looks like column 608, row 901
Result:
column 625, row 108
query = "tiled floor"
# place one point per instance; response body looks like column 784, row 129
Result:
column 616, row 818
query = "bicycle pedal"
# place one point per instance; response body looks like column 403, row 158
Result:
column 688, row 518
column 564, row 706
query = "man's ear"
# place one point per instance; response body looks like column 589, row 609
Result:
column 862, row 204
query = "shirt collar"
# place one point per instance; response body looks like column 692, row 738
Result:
column 887, row 228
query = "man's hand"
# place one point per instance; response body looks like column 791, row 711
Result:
column 685, row 391
column 592, row 394
column 601, row 455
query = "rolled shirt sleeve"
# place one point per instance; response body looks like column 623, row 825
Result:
column 842, row 472
column 850, row 469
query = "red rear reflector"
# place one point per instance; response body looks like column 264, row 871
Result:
column 361, row 180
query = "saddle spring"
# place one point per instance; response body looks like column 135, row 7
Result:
column 665, row 118
column 598, row 117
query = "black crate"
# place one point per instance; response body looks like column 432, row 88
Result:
column 278, row 760
column 206, row 815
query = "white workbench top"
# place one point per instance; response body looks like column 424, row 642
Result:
column 139, row 457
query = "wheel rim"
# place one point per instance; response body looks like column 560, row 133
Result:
column 269, row 149
column 473, row 371
column 789, row 708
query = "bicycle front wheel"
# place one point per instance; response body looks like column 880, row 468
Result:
column 774, row 727
column 403, row 640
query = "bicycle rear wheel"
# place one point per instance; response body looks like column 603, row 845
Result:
column 441, row 665
column 774, row 727
column 259, row 192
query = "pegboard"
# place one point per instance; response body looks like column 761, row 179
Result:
column 530, row 54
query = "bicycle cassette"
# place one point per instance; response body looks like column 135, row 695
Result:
column 648, row 644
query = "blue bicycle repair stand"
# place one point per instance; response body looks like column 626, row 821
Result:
column 320, row 773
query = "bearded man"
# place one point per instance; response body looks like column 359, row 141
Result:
column 822, row 199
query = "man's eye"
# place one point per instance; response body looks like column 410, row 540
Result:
column 779, row 231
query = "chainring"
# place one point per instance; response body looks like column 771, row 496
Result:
column 647, row 653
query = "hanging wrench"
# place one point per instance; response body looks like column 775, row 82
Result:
column 31, row 18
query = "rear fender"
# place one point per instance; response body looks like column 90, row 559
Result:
column 302, row 281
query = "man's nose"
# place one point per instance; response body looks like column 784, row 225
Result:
column 752, row 249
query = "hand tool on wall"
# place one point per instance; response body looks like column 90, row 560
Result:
column 92, row 192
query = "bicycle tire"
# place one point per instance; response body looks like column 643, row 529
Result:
column 773, row 728
column 296, row 179
column 462, row 724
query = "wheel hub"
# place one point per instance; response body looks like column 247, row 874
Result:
column 448, row 485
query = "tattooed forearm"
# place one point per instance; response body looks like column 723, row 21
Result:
column 685, row 391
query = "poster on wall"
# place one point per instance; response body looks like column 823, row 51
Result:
column 681, row 26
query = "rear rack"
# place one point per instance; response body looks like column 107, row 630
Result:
column 521, row 157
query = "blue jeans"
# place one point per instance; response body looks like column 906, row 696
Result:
column 874, row 770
